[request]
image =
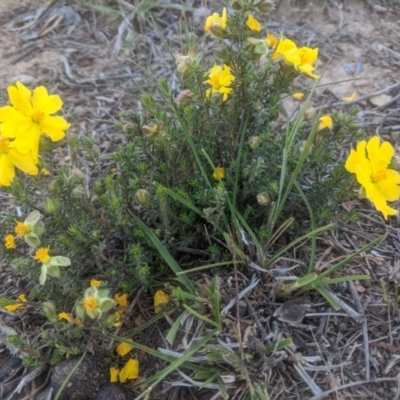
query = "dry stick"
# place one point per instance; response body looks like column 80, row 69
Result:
column 361, row 310
column 366, row 96
column 346, row 308
column 348, row 385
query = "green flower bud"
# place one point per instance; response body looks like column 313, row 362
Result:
column 143, row 197
column 265, row 6
column 99, row 188
column 49, row 311
column 52, row 206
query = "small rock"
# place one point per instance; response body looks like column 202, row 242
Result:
column 290, row 312
column 86, row 380
column 113, row 391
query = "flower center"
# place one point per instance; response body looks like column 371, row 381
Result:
column 38, row 116
column 42, row 255
column 379, row 176
column 21, row 229
column 90, row 304
column 215, row 81
column 4, row 145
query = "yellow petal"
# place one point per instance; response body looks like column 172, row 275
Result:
column 20, row 98
column 95, row 283
column 13, row 307
column 22, row 298
column 298, row 95
column 24, row 162
column 129, row 371
column 54, row 127
column 160, row 298
column 114, row 372
column 121, row 299
column 350, row 98
column 64, row 315
column 7, row 170
column 123, row 349
column 325, row 122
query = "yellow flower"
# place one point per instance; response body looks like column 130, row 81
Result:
column 90, row 304
column 16, row 306
column 95, row 283
column 13, row 307
column 11, row 158
column 64, row 315
column 284, row 48
column 29, row 116
column 253, row 24
column 129, row 371
column 325, row 122
column 380, row 184
column 22, row 298
column 123, row 349
column 22, row 229
column 220, row 79
column 160, row 298
column 216, row 24
column 78, row 321
column 298, row 95
column 45, row 172
column 121, row 299
column 9, row 242
column 271, row 40
column 219, row 173
column 350, row 98
column 114, row 372
column 42, row 255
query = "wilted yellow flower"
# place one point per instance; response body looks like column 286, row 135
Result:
column 13, row 307
column 78, row 322
column 325, row 122
column 16, row 306
column 22, row 298
column 350, row 98
column 64, row 315
column 160, row 298
column 271, row 40
column 29, row 116
column 220, row 80
column 253, row 24
column 380, row 184
column 129, row 371
column 42, row 255
column 219, row 173
column 216, row 24
column 9, row 242
column 114, row 372
column 123, row 349
column 298, row 95
column 95, row 283
column 121, row 299
column 22, row 229
column 90, row 304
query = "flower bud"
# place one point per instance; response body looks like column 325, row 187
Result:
column 258, row 46
column 49, row 311
column 184, row 97
column 265, row 6
column 78, row 174
column 309, row 113
column 183, row 66
column 99, row 188
column 151, row 130
column 79, row 191
column 254, row 142
column 143, row 197
column 263, row 199
column 52, row 206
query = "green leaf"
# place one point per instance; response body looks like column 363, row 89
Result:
column 164, row 253
column 60, row 261
column 174, row 330
column 32, row 219
column 53, row 270
column 32, row 240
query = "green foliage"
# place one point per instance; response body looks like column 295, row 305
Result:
column 200, row 179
